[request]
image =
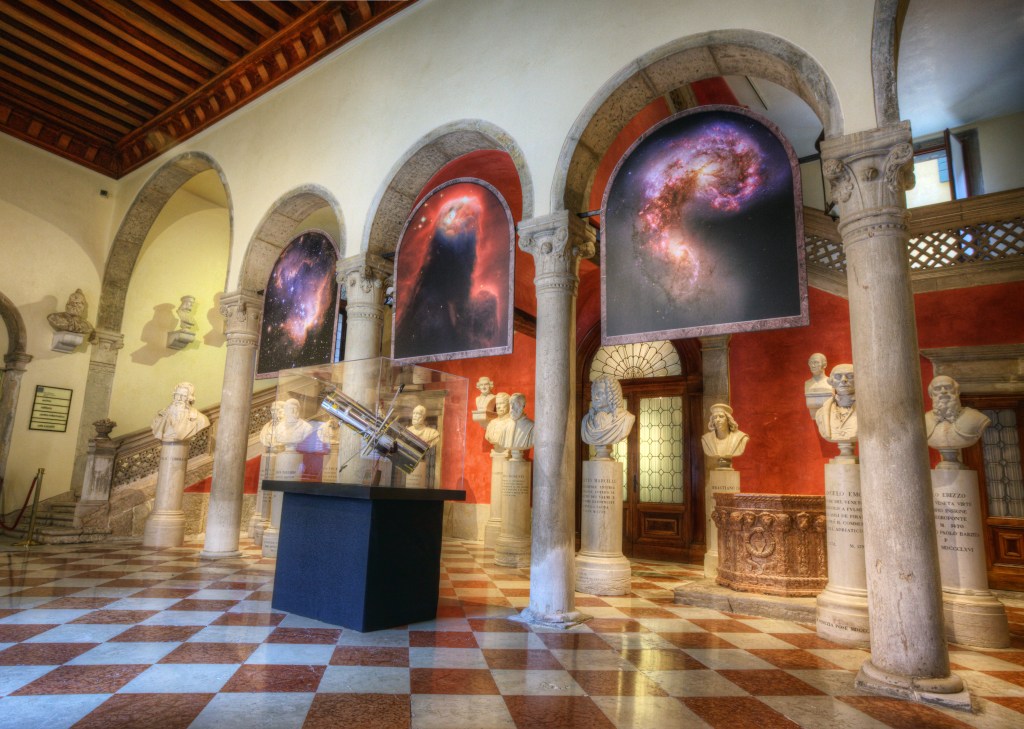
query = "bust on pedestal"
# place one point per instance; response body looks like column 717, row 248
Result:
column 422, row 476
column 173, row 427
column 185, row 334
column 843, row 604
column 494, row 435
column 261, row 516
column 601, row 568
column 485, row 408
column 973, row 615
column 70, row 327
column 723, row 442
column 817, row 389
column 513, row 545
column 288, row 433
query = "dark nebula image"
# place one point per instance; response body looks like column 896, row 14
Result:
column 453, row 275
column 300, row 306
column 700, row 230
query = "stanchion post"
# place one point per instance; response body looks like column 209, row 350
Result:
column 27, row 541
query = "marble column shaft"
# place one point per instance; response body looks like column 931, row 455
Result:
column 10, row 387
column 869, row 172
column 242, row 311
column 99, row 386
column 714, row 355
column 557, row 242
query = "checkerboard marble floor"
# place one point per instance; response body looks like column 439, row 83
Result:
column 118, row 635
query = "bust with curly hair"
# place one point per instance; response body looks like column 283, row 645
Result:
column 608, row 421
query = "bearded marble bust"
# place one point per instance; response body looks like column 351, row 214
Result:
column 949, row 425
column 180, row 420
column 608, row 421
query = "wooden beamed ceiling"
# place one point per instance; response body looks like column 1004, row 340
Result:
column 111, row 84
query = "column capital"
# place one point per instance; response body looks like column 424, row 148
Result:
column 557, row 242
column 718, row 341
column 107, row 340
column 870, row 170
column 242, row 311
column 365, row 275
column 16, row 361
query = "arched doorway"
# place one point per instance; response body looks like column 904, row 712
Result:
column 663, row 488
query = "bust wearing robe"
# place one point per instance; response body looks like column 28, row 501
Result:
column 837, row 418
column 724, row 439
column 519, row 435
column 496, row 428
column 949, row 425
column 180, row 420
column 607, row 422
column 420, row 429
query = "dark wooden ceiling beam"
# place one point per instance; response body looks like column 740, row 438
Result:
column 58, row 102
column 212, row 15
column 284, row 13
column 197, row 50
column 183, row 22
column 251, row 16
column 35, row 108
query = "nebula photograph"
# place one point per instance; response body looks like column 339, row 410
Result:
column 701, row 231
column 453, row 276
column 300, row 307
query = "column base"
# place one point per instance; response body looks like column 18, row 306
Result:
column 711, row 565
column 602, row 574
column 257, row 534
column 977, row 620
column 164, row 529
column 949, row 691
column 252, row 524
column 220, row 555
column 512, row 551
column 842, row 616
column 492, row 530
column 563, row 621
column 271, row 536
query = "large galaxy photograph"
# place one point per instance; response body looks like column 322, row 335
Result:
column 453, row 275
column 701, row 233
column 300, row 306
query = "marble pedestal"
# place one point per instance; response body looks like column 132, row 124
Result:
column 418, row 478
column 165, row 526
column 66, row 341
column 180, row 339
column 257, row 512
column 601, row 568
column 287, row 467
column 512, row 548
column 720, row 481
column 272, row 533
column 843, row 604
column 973, row 615
column 492, row 529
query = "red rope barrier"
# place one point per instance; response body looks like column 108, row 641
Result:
column 23, row 507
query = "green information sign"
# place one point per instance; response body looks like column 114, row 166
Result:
column 50, row 409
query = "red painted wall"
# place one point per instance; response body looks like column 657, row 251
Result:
column 250, row 482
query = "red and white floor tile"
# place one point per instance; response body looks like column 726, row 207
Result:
column 118, row 635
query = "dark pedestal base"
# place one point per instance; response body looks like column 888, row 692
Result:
column 365, row 564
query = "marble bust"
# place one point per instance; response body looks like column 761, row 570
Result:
column 607, row 421
column 485, row 401
column 186, row 317
column 724, row 439
column 518, row 435
column 329, row 433
column 291, row 429
column 837, row 418
column 496, row 428
column 180, row 420
column 72, row 319
column 420, row 429
column 949, row 425
column 819, row 380
column 276, row 416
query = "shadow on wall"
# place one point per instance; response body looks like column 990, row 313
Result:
column 154, row 336
column 35, row 315
column 214, row 336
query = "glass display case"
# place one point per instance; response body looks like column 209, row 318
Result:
column 368, row 423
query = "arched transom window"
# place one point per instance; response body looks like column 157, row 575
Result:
column 635, row 361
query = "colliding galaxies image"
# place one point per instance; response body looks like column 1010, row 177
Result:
column 453, row 273
column 300, row 306
column 700, row 229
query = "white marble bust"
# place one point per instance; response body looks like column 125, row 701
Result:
column 485, row 401
column 276, row 416
column 72, row 319
column 291, row 429
column 724, row 439
column 496, row 428
column 329, row 433
column 837, row 418
column 420, row 429
column 180, row 420
column 518, row 436
column 949, row 425
column 186, row 317
column 608, row 421
column 819, row 380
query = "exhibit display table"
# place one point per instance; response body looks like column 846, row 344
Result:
column 363, row 557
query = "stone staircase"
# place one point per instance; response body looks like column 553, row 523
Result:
column 55, row 525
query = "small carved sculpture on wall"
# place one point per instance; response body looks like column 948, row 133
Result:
column 837, row 418
column 608, row 421
column 724, row 439
column 70, row 326
column 949, row 425
column 518, row 436
column 180, row 420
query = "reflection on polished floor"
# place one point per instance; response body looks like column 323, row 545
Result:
column 119, row 635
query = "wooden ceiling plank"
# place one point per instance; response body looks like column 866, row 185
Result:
column 77, row 37
column 46, row 47
column 252, row 17
column 211, row 15
column 141, row 38
column 286, row 12
column 38, row 77
column 182, row 22
column 37, row 110
column 198, row 51
column 146, row 106
column 56, row 101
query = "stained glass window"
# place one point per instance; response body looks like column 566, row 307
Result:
column 633, row 361
column 661, row 450
column 1001, row 449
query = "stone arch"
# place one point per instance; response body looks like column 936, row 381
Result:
column 143, row 211
column 15, row 360
column 17, row 335
column 701, row 56
column 395, row 200
column 277, row 229
column 885, row 43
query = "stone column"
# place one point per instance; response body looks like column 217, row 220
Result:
column 714, row 355
column 165, row 526
column 869, row 172
column 10, row 387
column 99, row 385
column 557, row 242
column 242, row 311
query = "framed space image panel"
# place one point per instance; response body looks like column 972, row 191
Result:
column 453, row 275
column 703, row 231
column 300, row 306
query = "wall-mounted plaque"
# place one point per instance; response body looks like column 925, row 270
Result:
column 50, row 409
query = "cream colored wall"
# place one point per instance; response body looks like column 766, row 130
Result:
column 186, row 252
column 53, row 224
column 1002, row 152
column 527, row 66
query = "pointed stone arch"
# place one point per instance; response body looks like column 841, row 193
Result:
column 697, row 57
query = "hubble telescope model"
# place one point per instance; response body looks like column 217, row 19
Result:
column 382, row 435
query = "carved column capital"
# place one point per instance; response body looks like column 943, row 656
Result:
column 557, row 242
column 16, row 361
column 242, row 312
column 365, row 277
